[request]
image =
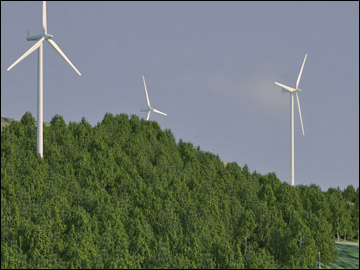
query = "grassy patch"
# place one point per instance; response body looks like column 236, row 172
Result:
column 348, row 257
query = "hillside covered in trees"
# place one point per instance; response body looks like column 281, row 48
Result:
column 125, row 194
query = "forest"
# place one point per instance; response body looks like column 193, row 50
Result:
column 126, row 194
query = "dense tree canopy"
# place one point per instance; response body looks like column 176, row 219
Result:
column 125, row 194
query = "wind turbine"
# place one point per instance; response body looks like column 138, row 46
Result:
column 150, row 109
column 292, row 92
column 39, row 45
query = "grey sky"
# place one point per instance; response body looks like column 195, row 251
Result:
column 211, row 66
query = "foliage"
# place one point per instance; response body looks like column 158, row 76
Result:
column 124, row 194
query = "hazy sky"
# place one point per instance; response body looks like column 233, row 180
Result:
column 211, row 67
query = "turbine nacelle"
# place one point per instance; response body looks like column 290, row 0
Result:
column 288, row 91
column 38, row 37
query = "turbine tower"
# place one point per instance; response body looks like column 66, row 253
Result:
column 292, row 91
column 39, row 45
column 150, row 109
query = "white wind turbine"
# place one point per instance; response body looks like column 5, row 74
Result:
column 39, row 44
column 150, row 109
column 292, row 91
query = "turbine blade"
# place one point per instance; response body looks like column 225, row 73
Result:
column 285, row 87
column 33, row 48
column 56, row 47
column 155, row 110
column 147, row 96
column 148, row 115
column 44, row 17
column 301, row 70
column 298, row 102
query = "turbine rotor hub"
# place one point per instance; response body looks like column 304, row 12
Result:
column 48, row 36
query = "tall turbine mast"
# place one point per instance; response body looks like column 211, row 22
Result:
column 39, row 45
column 292, row 92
